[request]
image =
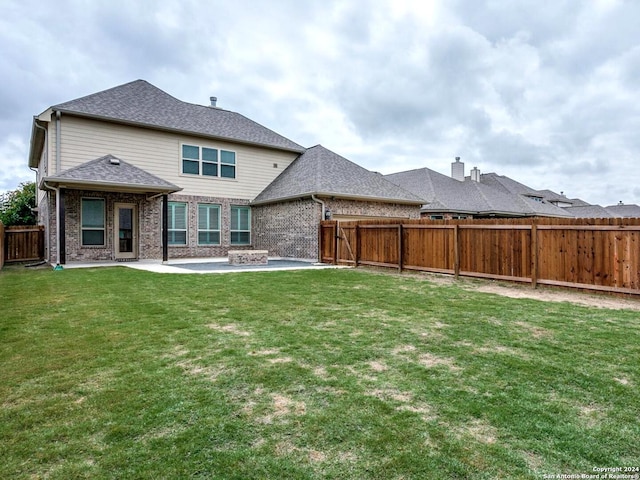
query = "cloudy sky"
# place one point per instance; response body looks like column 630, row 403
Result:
column 547, row 93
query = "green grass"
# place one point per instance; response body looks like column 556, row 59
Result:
column 118, row 373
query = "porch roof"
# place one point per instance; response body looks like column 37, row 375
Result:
column 109, row 174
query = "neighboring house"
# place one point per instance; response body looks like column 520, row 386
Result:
column 134, row 173
column 458, row 196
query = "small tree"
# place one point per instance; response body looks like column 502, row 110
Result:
column 15, row 206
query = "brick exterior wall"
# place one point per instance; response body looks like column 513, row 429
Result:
column 149, row 226
column 288, row 229
column 371, row 209
column 192, row 249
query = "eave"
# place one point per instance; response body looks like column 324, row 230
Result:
column 48, row 183
column 343, row 196
column 37, row 143
column 161, row 128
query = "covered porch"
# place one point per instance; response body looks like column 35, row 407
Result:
column 106, row 210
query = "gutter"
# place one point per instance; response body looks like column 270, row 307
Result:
column 340, row 195
column 112, row 186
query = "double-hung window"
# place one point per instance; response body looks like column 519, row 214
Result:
column 92, row 221
column 177, row 223
column 208, row 224
column 208, row 162
column 240, row 225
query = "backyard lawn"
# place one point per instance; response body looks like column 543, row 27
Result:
column 119, row 373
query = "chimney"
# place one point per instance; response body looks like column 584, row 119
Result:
column 213, row 101
column 475, row 174
column 457, row 170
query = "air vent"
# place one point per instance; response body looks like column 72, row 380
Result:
column 114, row 161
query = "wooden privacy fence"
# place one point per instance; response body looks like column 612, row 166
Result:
column 1, row 245
column 595, row 254
column 22, row 243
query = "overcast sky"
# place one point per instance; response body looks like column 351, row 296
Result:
column 547, row 93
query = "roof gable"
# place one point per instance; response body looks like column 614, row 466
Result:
column 143, row 104
column 319, row 171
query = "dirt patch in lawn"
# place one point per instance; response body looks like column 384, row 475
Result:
column 542, row 293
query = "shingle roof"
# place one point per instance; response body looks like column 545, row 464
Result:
column 626, row 211
column 319, row 171
column 445, row 194
column 588, row 211
column 141, row 103
column 110, row 172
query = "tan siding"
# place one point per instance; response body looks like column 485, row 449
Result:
column 159, row 153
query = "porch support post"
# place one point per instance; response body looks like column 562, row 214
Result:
column 165, row 228
column 62, row 243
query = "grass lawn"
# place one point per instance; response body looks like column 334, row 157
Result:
column 118, row 373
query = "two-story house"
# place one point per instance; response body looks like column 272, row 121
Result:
column 134, row 173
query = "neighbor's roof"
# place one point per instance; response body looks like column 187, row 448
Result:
column 626, row 211
column 588, row 211
column 109, row 173
column 445, row 194
column 140, row 103
column 319, row 171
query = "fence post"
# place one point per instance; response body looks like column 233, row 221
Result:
column 357, row 255
column 456, row 251
column 400, row 248
column 534, row 255
column 335, row 243
column 2, row 240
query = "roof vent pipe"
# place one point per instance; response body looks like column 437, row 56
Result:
column 457, row 170
column 475, row 174
column 213, row 101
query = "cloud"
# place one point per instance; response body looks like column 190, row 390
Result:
column 547, row 95
column 12, row 172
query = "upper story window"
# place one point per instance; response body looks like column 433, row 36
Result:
column 208, row 162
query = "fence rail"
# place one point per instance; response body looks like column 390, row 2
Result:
column 22, row 243
column 595, row 254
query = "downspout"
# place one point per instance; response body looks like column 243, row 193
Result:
column 37, row 170
column 324, row 209
column 58, row 196
column 317, row 200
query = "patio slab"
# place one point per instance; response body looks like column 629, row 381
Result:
column 206, row 265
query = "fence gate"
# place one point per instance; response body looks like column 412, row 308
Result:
column 23, row 243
